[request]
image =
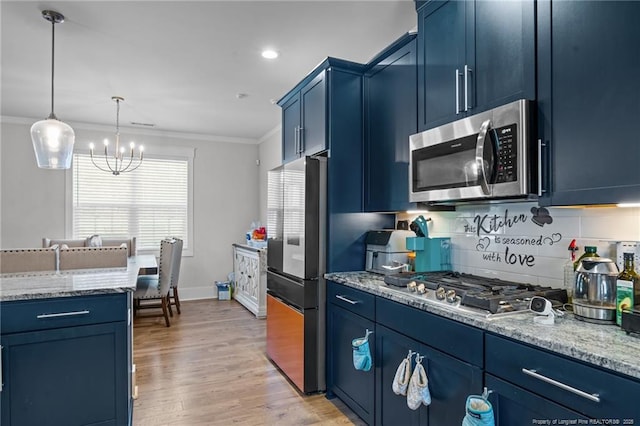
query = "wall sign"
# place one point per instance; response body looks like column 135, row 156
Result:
column 500, row 248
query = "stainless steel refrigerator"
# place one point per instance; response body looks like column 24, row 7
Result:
column 296, row 230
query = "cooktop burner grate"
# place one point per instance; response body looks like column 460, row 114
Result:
column 488, row 294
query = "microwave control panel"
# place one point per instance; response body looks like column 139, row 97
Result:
column 507, row 154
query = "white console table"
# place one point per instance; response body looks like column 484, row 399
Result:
column 250, row 270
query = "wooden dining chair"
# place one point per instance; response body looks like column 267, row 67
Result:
column 152, row 291
column 174, row 298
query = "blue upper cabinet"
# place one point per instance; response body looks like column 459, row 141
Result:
column 290, row 129
column 390, row 118
column 588, row 89
column 473, row 56
column 307, row 111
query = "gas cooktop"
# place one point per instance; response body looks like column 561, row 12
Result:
column 479, row 294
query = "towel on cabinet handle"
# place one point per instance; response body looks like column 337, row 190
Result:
column 362, row 352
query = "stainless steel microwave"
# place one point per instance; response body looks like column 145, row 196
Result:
column 490, row 155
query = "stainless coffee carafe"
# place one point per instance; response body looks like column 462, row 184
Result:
column 594, row 296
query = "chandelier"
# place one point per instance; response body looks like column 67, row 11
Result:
column 52, row 139
column 117, row 162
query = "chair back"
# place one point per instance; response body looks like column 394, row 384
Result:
column 28, row 260
column 177, row 260
column 166, row 265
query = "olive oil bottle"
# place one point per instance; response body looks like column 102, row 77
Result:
column 627, row 287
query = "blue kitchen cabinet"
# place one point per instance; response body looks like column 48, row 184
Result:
column 473, row 56
column 454, row 357
column 290, row 129
column 304, row 120
column 66, row 361
column 390, row 92
column 451, row 381
column 513, row 405
column 540, row 383
column 309, row 109
column 345, row 323
column 588, row 108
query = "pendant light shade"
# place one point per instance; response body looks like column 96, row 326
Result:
column 52, row 139
column 53, row 143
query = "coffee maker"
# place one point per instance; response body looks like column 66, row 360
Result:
column 386, row 251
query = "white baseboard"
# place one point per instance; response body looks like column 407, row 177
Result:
column 195, row 293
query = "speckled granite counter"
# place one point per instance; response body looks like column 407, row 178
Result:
column 43, row 285
column 606, row 346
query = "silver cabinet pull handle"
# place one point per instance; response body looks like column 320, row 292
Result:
column 301, row 138
column 351, row 302
column 540, row 146
column 467, row 71
column 590, row 396
column 457, row 91
column 1, row 378
column 62, row 314
column 295, row 139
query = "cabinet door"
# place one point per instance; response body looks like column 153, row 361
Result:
column 354, row 387
column 451, row 381
column 390, row 118
column 391, row 349
column 290, row 134
column 313, row 97
column 588, row 99
column 67, row 376
column 503, row 51
column 513, row 405
column 441, row 56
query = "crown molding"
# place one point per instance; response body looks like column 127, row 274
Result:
column 147, row 132
column 270, row 133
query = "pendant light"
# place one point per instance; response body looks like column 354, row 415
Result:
column 52, row 139
column 116, row 162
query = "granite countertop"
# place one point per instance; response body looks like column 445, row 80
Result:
column 606, row 346
column 79, row 282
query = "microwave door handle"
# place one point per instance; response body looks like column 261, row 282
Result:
column 482, row 173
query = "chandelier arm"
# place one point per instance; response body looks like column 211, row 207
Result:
column 137, row 165
column 126, row 169
column 106, row 160
column 98, row 167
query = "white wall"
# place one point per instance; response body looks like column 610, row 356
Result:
column 226, row 194
column 537, row 248
column 270, row 154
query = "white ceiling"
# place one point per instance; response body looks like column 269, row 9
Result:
column 180, row 64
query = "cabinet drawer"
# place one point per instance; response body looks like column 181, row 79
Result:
column 461, row 341
column 43, row 314
column 353, row 300
column 587, row 389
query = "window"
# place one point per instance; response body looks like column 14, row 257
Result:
column 150, row 203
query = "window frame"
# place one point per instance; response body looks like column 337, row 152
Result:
column 159, row 152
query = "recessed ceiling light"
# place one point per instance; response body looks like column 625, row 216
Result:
column 269, row 54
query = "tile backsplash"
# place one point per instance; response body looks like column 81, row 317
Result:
column 522, row 242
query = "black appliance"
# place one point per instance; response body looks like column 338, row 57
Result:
column 296, row 212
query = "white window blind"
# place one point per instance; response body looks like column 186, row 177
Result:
column 150, row 203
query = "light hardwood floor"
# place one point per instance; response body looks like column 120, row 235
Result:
column 210, row 368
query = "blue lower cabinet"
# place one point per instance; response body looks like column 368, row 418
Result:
column 66, row 376
column 66, row 361
column 450, row 382
column 354, row 387
column 513, row 406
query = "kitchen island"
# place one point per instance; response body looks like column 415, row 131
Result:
column 66, row 343
column 569, row 370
